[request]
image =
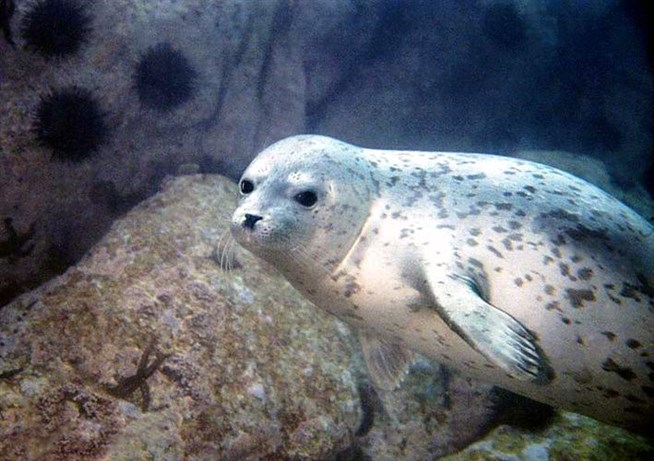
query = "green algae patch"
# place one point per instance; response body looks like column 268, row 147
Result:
column 569, row 437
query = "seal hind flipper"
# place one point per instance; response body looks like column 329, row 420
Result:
column 387, row 362
column 490, row 331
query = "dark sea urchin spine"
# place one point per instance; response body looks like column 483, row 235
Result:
column 71, row 123
column 164, row 78
column 55, row 28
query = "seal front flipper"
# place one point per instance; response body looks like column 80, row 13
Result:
column 387, row 362
column 493, row 333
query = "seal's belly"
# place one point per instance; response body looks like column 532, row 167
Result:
column 388, row 302
column 593, row 331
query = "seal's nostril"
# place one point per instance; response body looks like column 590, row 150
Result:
column 250, row 220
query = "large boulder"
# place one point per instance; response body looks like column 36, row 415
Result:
column 147, row 348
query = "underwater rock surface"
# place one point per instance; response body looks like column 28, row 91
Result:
column 147, row 349
column 571, row 436
column 250, row 87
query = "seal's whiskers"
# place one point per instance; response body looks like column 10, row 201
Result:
column 225, row 251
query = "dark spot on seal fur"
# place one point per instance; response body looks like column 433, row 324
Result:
column 577, row 297
column 475, row 262
column 630, row 291
column 585, row 273
column 624, row 372
column 476, row 176
column 581, row 233
column 632, row 344
column 565, row 269
column 351, row 288
column 609, row 335
column 560, row 214
column 554, row 305
column 495, row 251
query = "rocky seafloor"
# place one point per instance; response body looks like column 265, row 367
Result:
column 149, row 349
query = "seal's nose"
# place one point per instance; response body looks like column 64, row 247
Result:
column 250, row 220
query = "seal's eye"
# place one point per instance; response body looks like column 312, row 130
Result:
column 246, row 186
column 307, row 198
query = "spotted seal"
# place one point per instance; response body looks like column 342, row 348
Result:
column 513, row 272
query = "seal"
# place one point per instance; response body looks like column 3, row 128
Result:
column 510, row 271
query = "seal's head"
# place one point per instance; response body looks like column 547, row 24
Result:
column 303, row 197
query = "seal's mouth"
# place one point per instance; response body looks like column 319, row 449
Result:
column 249, row 230
column 241, row 229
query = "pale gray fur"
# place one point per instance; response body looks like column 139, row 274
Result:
column 511, row 271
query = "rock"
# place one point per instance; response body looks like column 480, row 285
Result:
column 431, row 414
column 146, row 348
column 251, row 88
column 571, row 436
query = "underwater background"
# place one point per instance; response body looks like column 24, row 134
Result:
column 123, row 125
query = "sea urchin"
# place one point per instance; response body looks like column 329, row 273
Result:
column 164, row 78
column 70, row 122
column 55, row 28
